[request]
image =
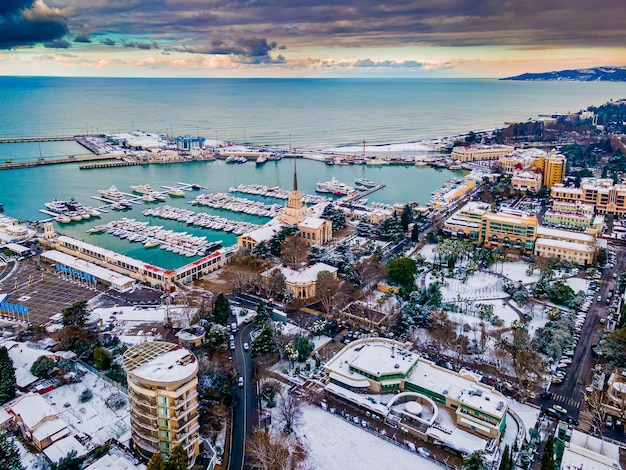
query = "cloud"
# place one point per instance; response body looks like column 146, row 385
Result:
column 108, row 42
column 140, row 45
column 29, row 22
column 247, row 50
column 82, row 37
column 57, row 44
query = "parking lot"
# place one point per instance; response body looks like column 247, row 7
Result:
column 33, row 284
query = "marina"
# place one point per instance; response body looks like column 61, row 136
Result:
column 236, row 204
column 200, row 219
column 274, row 192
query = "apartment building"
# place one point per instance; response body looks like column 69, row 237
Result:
column 163, row 393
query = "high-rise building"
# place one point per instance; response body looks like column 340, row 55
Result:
column 163, row 391
column 554, row 167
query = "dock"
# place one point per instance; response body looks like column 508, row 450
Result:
column 92, row 166
column 360, row 194
column 10, row 165
column 15, row 140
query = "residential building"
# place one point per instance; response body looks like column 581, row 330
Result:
column 564, row 245
column 526, row 180
column 509, row 229
column 606, row 196
column 553, row 167
column 423, row 399
column 37, row 420
column 582, row 451
column 467, row 221
column 163, row 393
column 573, row 207
column 567, row 219
column 480, row 152
column 301, row 283
column 520, row 159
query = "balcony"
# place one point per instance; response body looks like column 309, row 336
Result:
column 181, row 401
column 140, row 420
column 141, row 400
column 150, row 437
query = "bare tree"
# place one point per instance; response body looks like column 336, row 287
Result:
column 268, row 452
column 593, row 412
column 290, row 411
column 294, row 251
column 369, row 270
column 326, row 289
column 274, row 284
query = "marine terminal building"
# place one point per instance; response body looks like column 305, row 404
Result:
column 163, row 393
column 433, row 403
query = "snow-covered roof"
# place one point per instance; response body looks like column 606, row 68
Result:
column 114, row 462
column 305, row 276
column 312, row 222
column 590, row 453
column 161, row 362
column 5, row 416
column 59, row 449
column 99, row 272
column 565, row 234
column 571, row 246
column 23, row 357
column 265, row 232
column 15, row 248
column 31, row 408
column 50, row 429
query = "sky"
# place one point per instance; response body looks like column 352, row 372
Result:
column 308, row 38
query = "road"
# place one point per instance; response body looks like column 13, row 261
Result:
column 244, row 414
column 570, row 394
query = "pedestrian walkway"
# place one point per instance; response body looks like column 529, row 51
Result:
column 566, row 400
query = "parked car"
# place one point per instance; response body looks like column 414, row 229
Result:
column 545, row 395
column 559, row 409
column 422, row 452
column 240, row 382
column 246, row 346
column 609, row 421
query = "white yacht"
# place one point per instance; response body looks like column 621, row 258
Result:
column 112, row 194
column 142, row 189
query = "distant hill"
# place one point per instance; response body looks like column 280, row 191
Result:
column 603, row 74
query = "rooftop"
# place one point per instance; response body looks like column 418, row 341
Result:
column 159, row 361
column 101, row 273
column 565, row 234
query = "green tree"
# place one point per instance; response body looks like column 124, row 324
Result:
column 7, row 377
column 474, row 461
column 406, row 217
column 560, row 293
column 76, row 314
column 613, row 348
column 601, row 257
column 401, row 272
column 304, row 348
column 547, row 458
column 69, row 462
column 222, row 309
column 156, row 462
column 415, row 233
column 336, row 215
column 178, row 459
column 42, row 366
column 9, row 455
column 264, row 343
column 262, row 317
column 505, row 462
column 102, row 358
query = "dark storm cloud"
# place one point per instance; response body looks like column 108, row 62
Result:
column 249, row 50
column 355, row 23
column 82, row 37
column 25, row 23
column 57, row 44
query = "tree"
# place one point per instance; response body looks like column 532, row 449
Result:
column 267, row 453
column 222, row 309
column 304, row 347
column 402, row 271
column 390, row 230
column 156, row 462
column 336, row 215
column 415, row 233
column 290, row 411
column 547, row 458
column 178, row 459
column 69, row 462
column 293, row 252
column 42, row 366
column 264, row 343
column 406, row 218
column 76, row 314
column 505, row 462
column 326, row 289
column 261, row 317
column 9, row 455
column 368, row 270
column 7, row 377
column 275, row 284
column 102, row 358
column 474, row 461
column 601, row 257
column 613, row 348
column 560, row 293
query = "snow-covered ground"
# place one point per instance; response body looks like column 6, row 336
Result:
column 481, row 285
column 516, row 271
column 576, row 284
column 334, row 444
column 94, row 418
column 527, row 414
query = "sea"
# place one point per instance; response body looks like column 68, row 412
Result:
column 312, row 114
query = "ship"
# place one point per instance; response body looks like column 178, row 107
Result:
column 261, row 160
column 333, row 187
column 142, row 189
column 112, row 194
column 365, row 182
column 175, row 192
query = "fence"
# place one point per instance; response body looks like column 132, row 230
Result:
column 121, row 387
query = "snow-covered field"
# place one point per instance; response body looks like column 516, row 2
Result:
column 94, row 418
column 337, row 445
column 480, row 286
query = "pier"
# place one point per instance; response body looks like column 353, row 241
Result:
column 10, row 165
column 110, row 165
column 360, row 194
column 15, row 140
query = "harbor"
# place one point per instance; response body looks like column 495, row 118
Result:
column 200, row 219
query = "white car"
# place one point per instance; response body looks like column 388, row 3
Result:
column 560, row 409
column 246, row 346
column 240, row 382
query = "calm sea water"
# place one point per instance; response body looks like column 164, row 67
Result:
column 312, row 113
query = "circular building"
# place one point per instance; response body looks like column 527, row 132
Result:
column 163, row 393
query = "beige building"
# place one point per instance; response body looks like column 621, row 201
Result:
column 302, row 283
column 480, row 152
column 163, row 392
column 564, row 245
column 520, row 159
column 509, row 229
column 313, row 229
column 554, row 167
column 38, row 421
column 526, row 180
column 467, row 221
column 606, row 196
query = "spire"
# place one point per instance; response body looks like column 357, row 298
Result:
column 295, row 175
